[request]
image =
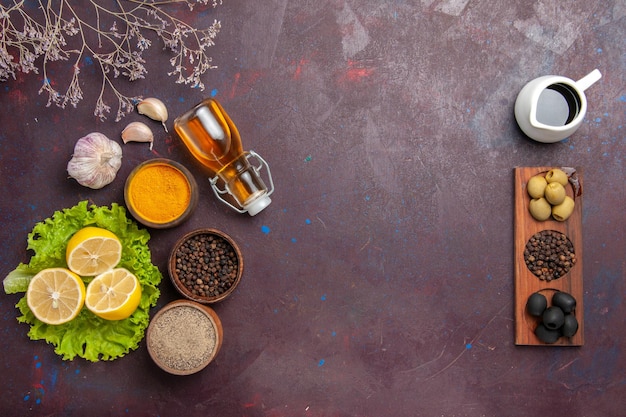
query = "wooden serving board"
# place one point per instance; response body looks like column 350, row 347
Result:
column 526, row 282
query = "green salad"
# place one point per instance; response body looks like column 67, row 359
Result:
column 88, row 336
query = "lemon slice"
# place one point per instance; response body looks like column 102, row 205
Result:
column 92, row 251
column 113, row 295
column 55, row 295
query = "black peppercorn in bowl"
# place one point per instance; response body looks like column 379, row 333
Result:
column 205, row 265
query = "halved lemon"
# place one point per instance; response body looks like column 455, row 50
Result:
column 55, row 295
column 92, row 251
column 113, row 295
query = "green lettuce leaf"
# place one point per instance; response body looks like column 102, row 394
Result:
column 18, row 279
column 89, row 336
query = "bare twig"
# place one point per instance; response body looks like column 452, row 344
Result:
column 112, row 36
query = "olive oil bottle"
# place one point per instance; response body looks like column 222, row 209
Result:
column 213, row 139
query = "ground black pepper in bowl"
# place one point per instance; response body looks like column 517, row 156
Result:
column 549, row 255
column 205, row 265
column 184, row 337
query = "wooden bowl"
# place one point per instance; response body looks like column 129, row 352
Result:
column 175, row 194
column 205, row 266
column 184, row 337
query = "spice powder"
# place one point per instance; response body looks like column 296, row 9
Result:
column 183, row 338
column 160, row 193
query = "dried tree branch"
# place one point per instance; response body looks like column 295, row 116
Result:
column 113, row 36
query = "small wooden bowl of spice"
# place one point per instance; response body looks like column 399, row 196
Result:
column 205, row 265
column 184, row 337
column 161, row 193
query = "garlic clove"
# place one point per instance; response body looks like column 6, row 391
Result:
column 137, row 132
column 154, row 109
column 95, row 161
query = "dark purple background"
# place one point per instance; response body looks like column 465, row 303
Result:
column 380, row 280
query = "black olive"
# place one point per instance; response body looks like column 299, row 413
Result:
column 553, row 318
column 536, row 304
column 570, row 326
column 547, row 335
column 565, row 301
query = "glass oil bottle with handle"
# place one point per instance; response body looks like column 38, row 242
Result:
column 213, row 139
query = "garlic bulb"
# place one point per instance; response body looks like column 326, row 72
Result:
column 95, row 161
column 154, row 109
column 137, row 132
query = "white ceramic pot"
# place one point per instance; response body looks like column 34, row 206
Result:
column 550, row 108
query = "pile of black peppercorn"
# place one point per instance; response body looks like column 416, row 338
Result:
column 549, row 255
column 206, row 265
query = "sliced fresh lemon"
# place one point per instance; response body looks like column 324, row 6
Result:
column 55, row 295
column 92, row 251
column 113, row 295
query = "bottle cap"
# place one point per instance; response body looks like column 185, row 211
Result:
column 257, row 205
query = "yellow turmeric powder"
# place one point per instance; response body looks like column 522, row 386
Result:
column 159, row 193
